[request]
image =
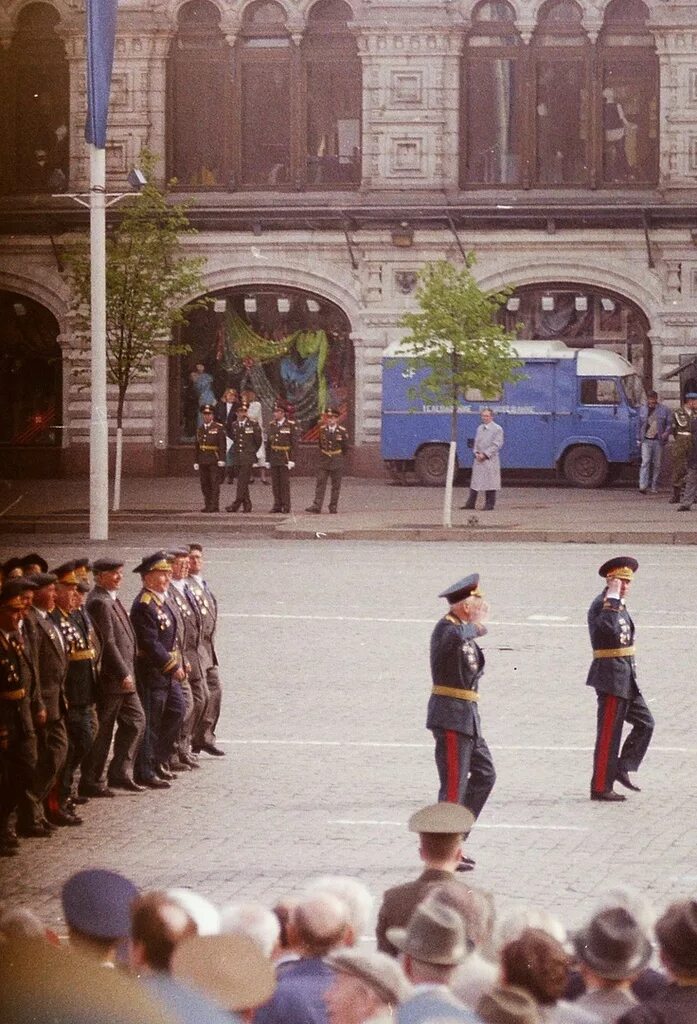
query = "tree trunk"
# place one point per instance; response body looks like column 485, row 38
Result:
column 452, row 453
column 119, row 452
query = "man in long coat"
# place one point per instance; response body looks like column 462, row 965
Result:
column 486, row 468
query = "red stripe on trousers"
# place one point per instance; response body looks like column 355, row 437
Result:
column 606, row 732
column 452, row 761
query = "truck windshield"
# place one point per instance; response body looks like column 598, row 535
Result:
column 634, row 390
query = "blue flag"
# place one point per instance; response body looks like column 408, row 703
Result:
column 101, row 33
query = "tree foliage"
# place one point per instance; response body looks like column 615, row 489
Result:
column 455, row 336
column 148, row 282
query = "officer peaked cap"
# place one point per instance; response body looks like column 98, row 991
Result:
column 332, row 411
column 621, row 568
column 207, row 408
column 462, row 589
column 66, row 572
column 445, row 818
column 158, row 560
column 106, row 565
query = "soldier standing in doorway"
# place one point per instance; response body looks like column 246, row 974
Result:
column 681, row 429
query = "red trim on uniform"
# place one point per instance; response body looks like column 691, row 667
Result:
column 604, row 744
column 452, row 765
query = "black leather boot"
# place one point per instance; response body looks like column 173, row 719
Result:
column 490, row 501
column 471, row 501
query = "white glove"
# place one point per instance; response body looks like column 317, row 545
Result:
column 221, row 464
column 196, row 466
column 267, row 465
column 613, row 588
column 291, row 465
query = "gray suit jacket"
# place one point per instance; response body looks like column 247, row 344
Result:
column 118, row 641
column 51, row 663
column 400, row 902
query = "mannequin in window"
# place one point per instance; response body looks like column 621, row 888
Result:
column 615, row 125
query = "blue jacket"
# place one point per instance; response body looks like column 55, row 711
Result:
column 299, row 997
column 664, row 419
column 436, row 1003
column 155, row 627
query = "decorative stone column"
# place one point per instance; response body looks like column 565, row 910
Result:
column 674, row 30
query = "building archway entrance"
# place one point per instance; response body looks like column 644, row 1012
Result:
column 31, row 382
column 582, row 317
column 283, row 342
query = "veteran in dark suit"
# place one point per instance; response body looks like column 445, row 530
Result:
column 613, row 676
column 118, row 704
column 246, row 441
column 183, row 604
column 465, row 766
column 440, row 828
column 159, row 671
column 204, row 734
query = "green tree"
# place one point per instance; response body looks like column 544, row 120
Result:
column 148, row 281
column 456, row 339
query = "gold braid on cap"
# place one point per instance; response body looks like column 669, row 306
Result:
column 163, row 564
column 623, row 573
column 477, row 592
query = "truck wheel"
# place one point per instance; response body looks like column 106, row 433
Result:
column 431, row 465
column 585, row 466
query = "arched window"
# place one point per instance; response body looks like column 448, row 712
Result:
column 493, row 107
column 332, row 84
column 629, row 96
column 199, row 98
column 36, row 136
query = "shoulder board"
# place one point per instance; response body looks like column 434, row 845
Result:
column 453, row 618
column 146, row 598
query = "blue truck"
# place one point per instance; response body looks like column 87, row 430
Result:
column 573, row 410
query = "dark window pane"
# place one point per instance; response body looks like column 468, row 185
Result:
column 630, row 99
column 561, row 13
column 562, row 119
column 198, row 151
column 333, row 123
column 626, row 12
column 494, row 10
column 266, row 122
column 493, row 122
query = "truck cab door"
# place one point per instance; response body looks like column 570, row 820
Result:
column 602, row 413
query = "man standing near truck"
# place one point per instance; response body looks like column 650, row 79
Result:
column 654, row 431
column 486, row 468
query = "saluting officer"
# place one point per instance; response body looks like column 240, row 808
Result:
column 465, row 766
column 281, row 442
column 333, row 445
column 209, row 459
column 246, row 440
column 613, row 675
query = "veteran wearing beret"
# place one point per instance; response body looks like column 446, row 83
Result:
column 465, row 766
column 613, row 676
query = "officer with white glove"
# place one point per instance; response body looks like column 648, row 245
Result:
column 281, row 446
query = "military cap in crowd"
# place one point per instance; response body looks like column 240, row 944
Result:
column 435, row 935
column 244, row 406
column 42, row 579
column 613, row 944
column 158, row 560
column 12, row 567
column 206, row 407
column 97, row 902
column 676, row 931
column 229, row 969
column 82, row 567
column 332, row 411
column 444, row 818
column 12, row 590
column 280, row 404
column 379, row 971
column 33, row 559
column 508, row 1004
column 66, row 573
column 621, row 568
column 465, row 587
column 106, row 564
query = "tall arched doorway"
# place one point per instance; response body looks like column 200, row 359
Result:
column 283, row 342
column 31, row 381
column 582, row 317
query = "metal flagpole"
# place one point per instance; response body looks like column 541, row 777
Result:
column 99, row 426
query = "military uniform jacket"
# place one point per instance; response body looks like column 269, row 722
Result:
column 208, row 610
column 400, row 902
column 16, row 678
column 188, row 627
column 246, row 441
column 51, row 662
column 211, row 444
column 117, row 638
column 456, row 662
column 611, row 629
column 82, row 647
column 281, row 443
column 681, row 422
column 333, row 443
column 155, row 627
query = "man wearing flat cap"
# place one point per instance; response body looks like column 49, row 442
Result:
column 613, row 676
column 676, row 934
column 209, row 458
column 364, row 985
column 118, row 704
column 465, row 766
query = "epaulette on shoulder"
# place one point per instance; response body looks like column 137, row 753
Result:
column 145, row 597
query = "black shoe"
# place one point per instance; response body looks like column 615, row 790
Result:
column 247, row 508
column 466, row 863
column 609, row 796
column 128, row 784
column 468, row 506
column 274, row 509
column 92, row 789
column 313, row 508
column 163, row 772
column 152, row 782
column 72, row 801
column 177, row 765
column 210, row 748
column 47, row 824
column 8, row 851
column 684, row 508
column 642, row 490
column 63, row 817
column 333, row 511
column 232, row 508
column 34, row 832
column 187, row 759
column 10, row 839
column 623, row 778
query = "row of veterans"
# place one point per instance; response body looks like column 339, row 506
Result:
column 240, row 437
column 443, row 954
column 79, row 674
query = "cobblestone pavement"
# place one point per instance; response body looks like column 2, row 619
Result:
column 324, row 651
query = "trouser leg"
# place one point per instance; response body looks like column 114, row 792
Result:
column 173, row 711
column 656, row 464
column 285, row 488
column 320, row 486
column 645, row 465
column 276, row 487
column 453, row 755
column 242, row 493
column 81, row 723
column 611, row 713
column 211, row 714
column 52, row 752
column 184, row 738
column 637, row 742
column 152, row 701
column 200, row 694
column 482, row 777
column 336, row 473
column 130, row 729
column 95, row 761
column 490, row 500
column 689, row 494
column 204, row 480
column 471, row 500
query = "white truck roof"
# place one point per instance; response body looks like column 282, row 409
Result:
column 592, row 362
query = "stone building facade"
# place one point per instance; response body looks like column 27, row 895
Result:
column 328, row 148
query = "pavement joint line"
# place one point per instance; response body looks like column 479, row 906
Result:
column 489, row 825
column 386, row 744
column 526, row 624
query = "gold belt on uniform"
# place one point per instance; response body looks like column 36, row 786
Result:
column 88, row 655
column 12, row 694
column 279, row 448
column 331, row 453
column 208, row 448
column 455, row 691
column 614, row 652
column 683, row 433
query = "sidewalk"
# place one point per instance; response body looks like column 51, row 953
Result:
column 369, row 510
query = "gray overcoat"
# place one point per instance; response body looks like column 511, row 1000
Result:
column 486, row 475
